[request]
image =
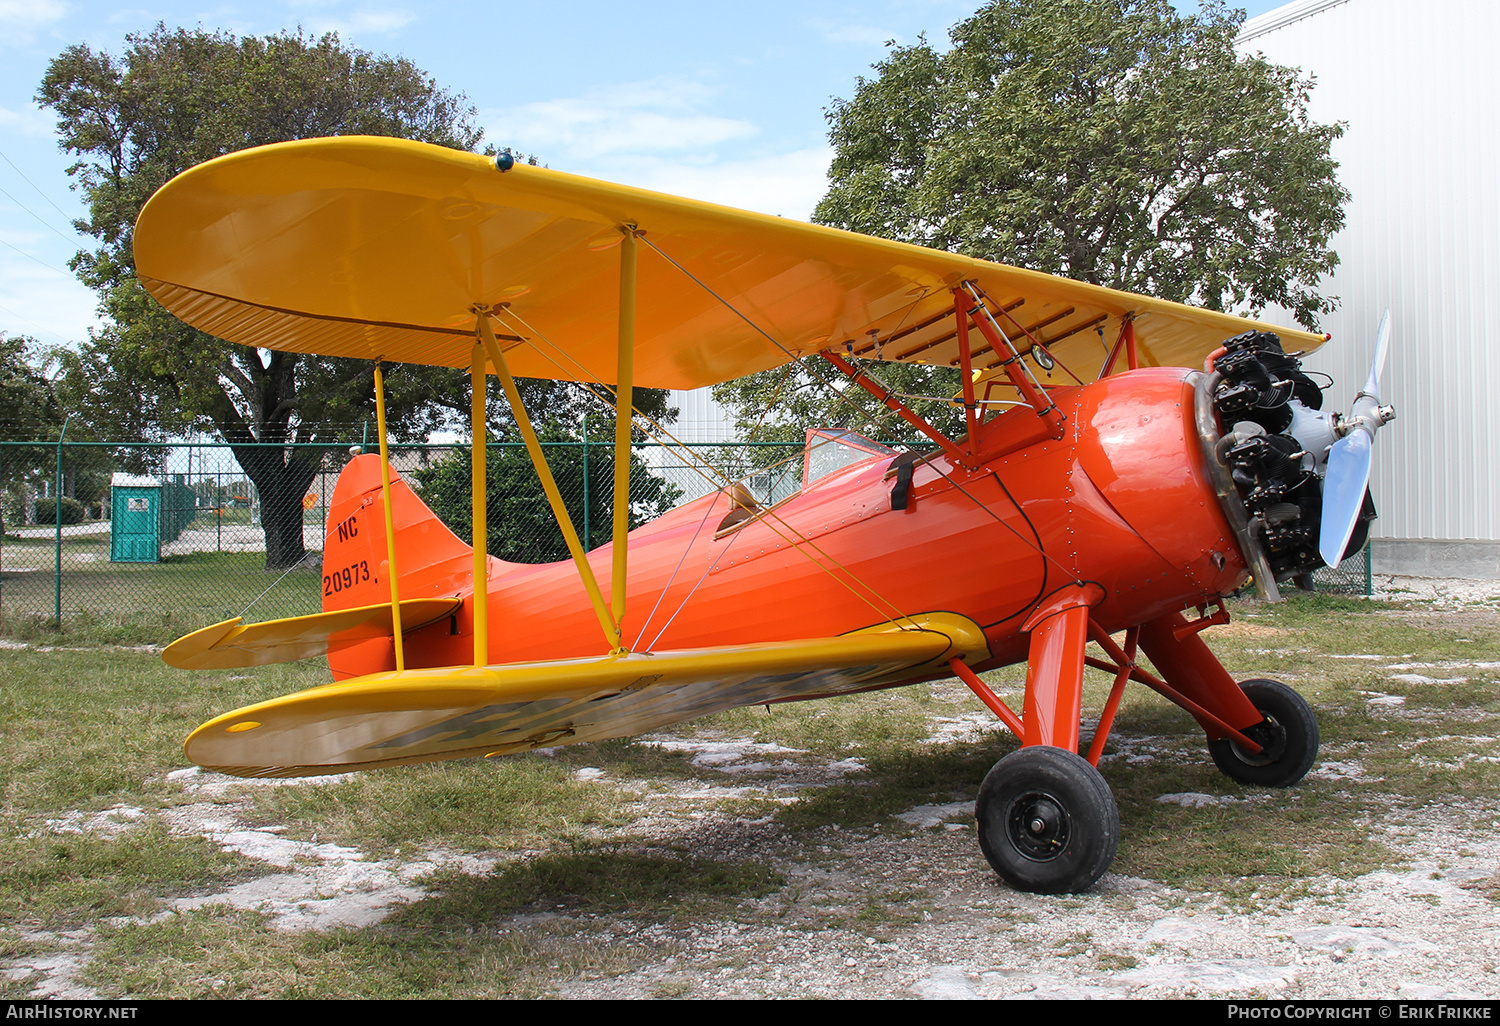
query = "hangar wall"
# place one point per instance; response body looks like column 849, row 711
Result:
column 1416, row 84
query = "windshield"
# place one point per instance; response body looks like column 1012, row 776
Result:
column 830, row 449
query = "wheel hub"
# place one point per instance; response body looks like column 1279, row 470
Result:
column 1038, row 826
column 1270, row 735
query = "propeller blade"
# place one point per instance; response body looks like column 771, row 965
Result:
column 1382, row 347
column 1343, row 493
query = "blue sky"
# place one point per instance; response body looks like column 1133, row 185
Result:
column 718, row 101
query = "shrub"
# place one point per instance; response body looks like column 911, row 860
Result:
column 46, row 511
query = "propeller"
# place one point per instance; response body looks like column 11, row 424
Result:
column 1348, row 473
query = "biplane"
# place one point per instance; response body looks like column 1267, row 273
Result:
column 1103, row 483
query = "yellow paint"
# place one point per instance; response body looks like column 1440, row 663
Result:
column 623, row 406
column 549, row 485
column 480, row 508
column 392, row 574
column 232, row 644
column 422, row 715
column 372, row 247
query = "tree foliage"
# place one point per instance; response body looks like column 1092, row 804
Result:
column 47, row 512
column 779, row 405
column 28, row 405
column 28, row 412
column 32, row 409
column 522, row 528
column 1111, row 141
column 172, row 100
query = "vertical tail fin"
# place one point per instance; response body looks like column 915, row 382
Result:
column 431, row 559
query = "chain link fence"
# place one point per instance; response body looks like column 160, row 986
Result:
column 194, row 540
column 1351, row 577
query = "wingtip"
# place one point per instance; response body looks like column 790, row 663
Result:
column 190, row 651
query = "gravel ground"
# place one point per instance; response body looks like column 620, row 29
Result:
column 1420, row 933
column 911, row 910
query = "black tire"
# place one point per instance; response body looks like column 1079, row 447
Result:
column 1288, row 738
column 1047, row 821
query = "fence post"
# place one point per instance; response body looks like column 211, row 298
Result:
column 57, row 544
column 3, row 493
column 588, row 534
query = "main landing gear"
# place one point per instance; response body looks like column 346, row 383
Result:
column 1048, row 822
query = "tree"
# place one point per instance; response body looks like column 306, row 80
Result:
column 28, row 413
column 522, row 526
column 175, row 99
column 28, row 405
column 1110, row 141
column 809, row 393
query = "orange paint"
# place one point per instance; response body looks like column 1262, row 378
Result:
column 1121, row 502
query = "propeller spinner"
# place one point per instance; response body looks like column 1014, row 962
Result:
column 1348, row 472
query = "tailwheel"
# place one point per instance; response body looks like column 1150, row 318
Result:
column 1047, row 821
column 1288, row 737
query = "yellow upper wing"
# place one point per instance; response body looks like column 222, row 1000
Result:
column 383, row 248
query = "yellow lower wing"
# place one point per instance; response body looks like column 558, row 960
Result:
column 423, row 715
column 231, row 644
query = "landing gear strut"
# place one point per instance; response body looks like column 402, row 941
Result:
column 1047, row 820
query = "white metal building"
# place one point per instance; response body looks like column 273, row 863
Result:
column 1418, row 85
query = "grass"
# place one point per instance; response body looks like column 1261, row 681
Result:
column 590, row 881
column 469, row 805
column 92, row 728
column 1319, row 827
column 894, row 783
column 146, row 603
column 81, row 544
column 462, row 941
column 895, row 908
column 876, row 724
column 85, row 729
column 116, row 603
column 66, row 881
column 219, row 953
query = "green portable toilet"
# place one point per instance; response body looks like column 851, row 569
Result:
column 135, row 515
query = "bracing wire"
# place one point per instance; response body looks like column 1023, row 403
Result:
column 1034, row 545
column 273, row 584
column 797, row 541
column 587, row 380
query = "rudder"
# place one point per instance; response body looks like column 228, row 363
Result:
column 431, row 559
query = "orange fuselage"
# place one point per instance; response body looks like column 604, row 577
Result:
column 1122, row 500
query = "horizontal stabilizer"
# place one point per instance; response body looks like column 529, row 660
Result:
column 423, row 715
column 231, row 644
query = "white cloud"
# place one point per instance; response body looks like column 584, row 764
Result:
column 20, row 19
column 51, row 306
column 786, row 184
column 662, row 134
column 639, row 117
column 30, row 122
column 364, row 21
